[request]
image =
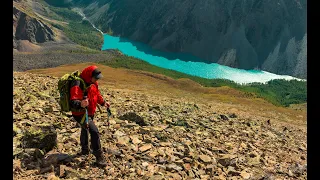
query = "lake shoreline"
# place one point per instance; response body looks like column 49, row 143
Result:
column 199, row 68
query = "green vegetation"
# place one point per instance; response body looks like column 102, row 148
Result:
column 66, row 14
column 82, row 33
column 78, row 30
column 279, row 92
column 59, row 3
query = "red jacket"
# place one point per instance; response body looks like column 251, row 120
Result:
column 93, row 93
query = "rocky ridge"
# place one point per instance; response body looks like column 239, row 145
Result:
column 149, row 137
column 29, row 28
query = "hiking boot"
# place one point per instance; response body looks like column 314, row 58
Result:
column 84, row 152
column 101, row 160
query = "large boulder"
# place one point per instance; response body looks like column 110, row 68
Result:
column 133, row 117
column 41, row 137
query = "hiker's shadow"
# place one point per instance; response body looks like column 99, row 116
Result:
column 56, row 158
column 66, row 159
column 32, row 159
column 65, row 165
column 74, row 161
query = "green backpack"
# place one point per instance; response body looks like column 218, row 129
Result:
column 64, row 89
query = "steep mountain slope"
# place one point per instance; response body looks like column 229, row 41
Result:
column 160, row 130
column 28, row 29
column 269, row 35
column 41, row 37
column 31, row 29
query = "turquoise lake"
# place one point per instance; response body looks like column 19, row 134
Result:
column 186, row 63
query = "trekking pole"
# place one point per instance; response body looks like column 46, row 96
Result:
column 109, row 111
column 109, row 114
column 102, row 112
column 87, row 124
column 87, row 118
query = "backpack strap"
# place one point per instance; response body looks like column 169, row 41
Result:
column 76, row 76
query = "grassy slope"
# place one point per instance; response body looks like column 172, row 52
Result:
column 278, row 92
column 225, row 98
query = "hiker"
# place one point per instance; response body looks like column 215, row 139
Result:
column 89, row 99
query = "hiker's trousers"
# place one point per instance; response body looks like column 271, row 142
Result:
column 94, row 133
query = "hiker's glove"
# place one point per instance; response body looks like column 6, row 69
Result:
column 84, row 103
column 107, row 105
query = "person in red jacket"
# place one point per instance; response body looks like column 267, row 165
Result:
column 80, row 100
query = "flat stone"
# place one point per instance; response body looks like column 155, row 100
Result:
column 123, row 140
column 165, row 144
column 119, row 133
column 232, row 171
column 160, row 128
column 145, row 147
column 245, row 175
column 254, row 161
column 187, row 166
column 135, row 139
column 153, row 154
column 145, row 164
column 205, row 158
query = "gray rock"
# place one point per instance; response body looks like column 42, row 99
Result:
column 115, row 152
column 226, row 160
column 233, row 115
column 224, row 117
column 297, row 169
column 173, row 166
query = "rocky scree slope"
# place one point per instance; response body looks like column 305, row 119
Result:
column 149, row 137
column 269, row 35
column 49, row 57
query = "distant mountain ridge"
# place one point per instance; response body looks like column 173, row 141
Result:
column 267, row 35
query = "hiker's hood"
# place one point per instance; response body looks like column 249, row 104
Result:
column 86, row 74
